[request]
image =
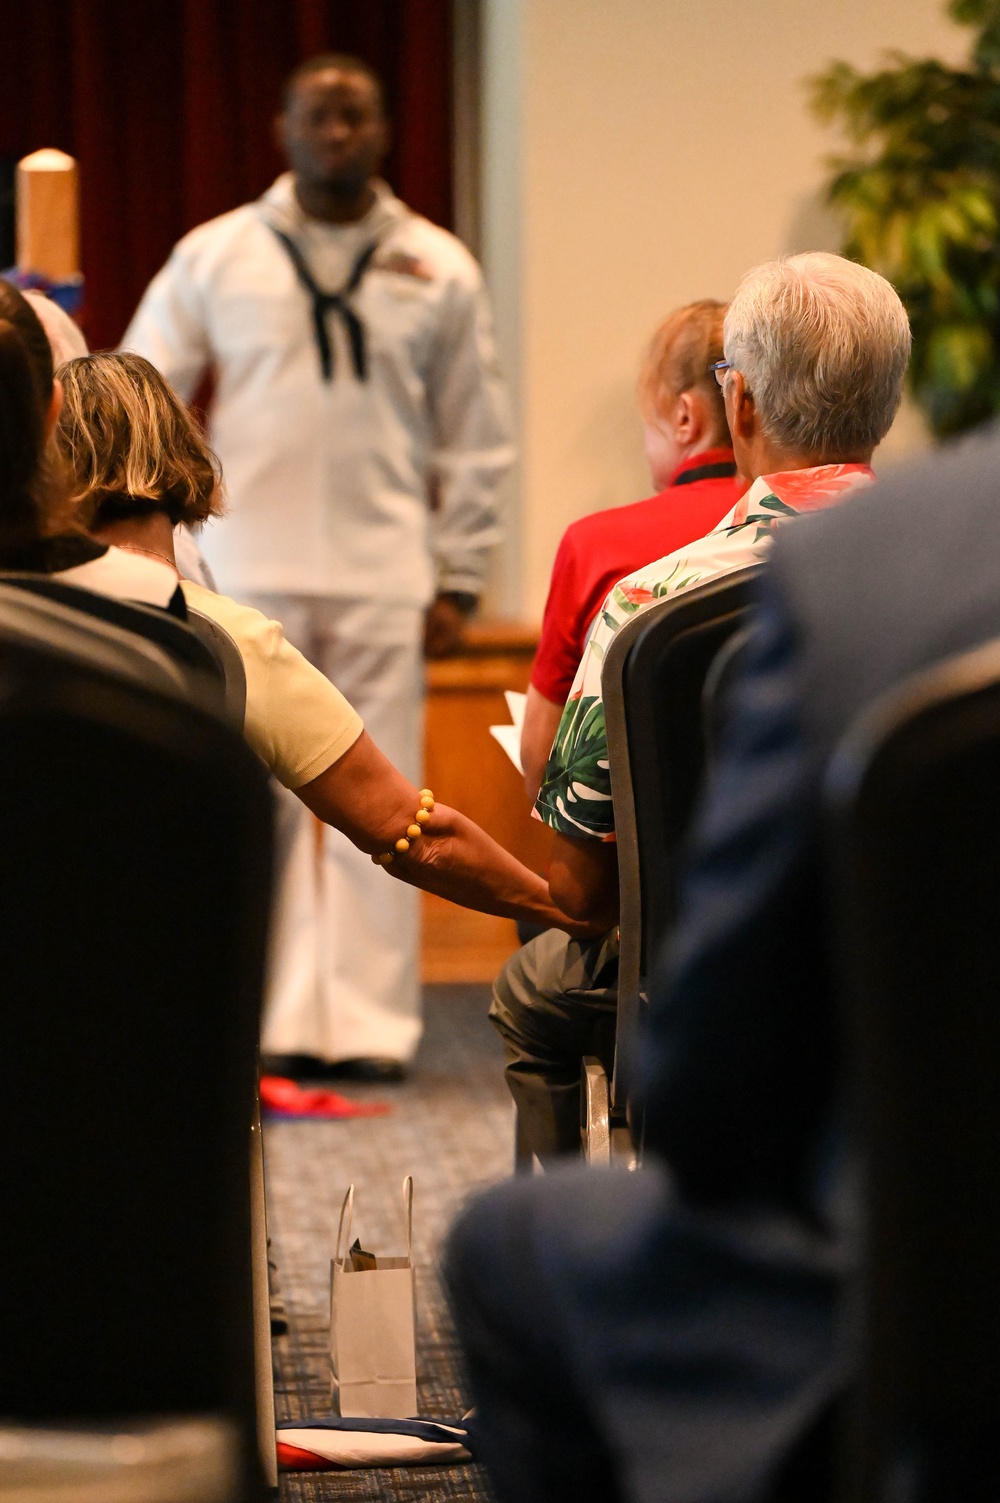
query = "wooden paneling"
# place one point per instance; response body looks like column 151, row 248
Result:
column 466, row 768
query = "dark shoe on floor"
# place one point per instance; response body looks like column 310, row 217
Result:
column 293, row 1066
column 279, row 1315
column 373, row 1071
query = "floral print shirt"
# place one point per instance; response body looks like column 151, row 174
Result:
column 575, row 796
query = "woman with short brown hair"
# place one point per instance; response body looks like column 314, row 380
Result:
column 131, row 447
column 118, row 420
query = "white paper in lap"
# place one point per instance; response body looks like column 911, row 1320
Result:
column 509, row 736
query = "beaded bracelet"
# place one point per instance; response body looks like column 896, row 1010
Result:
column 413, row 831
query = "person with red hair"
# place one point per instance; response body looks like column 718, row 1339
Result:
column 690, row 459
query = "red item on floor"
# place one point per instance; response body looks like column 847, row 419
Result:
column 294, row 1459
column 288, row 1099
column 338, row 1444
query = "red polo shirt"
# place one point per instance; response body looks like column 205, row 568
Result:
column 599, row 550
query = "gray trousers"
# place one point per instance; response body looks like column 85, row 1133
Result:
column 554, row 1002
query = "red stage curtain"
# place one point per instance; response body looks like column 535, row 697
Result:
column 168, row 106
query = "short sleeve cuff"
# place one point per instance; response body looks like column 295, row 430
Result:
column 591, row 818
column 454, row 579
column 300, row 776
column 549, row 683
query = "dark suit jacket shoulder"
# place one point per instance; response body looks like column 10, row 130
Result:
column 893, row 580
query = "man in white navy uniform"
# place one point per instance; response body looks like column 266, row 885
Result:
column 363, row 430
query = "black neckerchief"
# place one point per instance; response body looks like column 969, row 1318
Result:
column 722, row 469
column 333, row 302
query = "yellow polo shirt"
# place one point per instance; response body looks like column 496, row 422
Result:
column 297, row 722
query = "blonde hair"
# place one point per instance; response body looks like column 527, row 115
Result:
column 131, row 446
column 678, row 359
column 823, row 345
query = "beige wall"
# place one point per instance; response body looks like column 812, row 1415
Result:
column 638, row 154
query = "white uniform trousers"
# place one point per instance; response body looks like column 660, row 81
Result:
column 345, row 949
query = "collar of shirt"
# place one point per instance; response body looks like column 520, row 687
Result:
column 721, row 455
column 125, row 576
column 282, row 208
column 796, row 491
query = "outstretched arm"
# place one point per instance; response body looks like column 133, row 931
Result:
column 541, row 721
column 583, row 880
column 472, row 443
column 367, row 798
column 169, row 325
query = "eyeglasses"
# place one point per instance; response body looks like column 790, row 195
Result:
column 719, row 368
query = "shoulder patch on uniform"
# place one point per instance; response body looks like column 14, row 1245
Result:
column 404, row 265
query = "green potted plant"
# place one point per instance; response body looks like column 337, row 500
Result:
column 921, row 202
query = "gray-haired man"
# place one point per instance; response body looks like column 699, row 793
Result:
column 816, row 350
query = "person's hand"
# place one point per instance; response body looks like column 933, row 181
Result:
column 444, row 624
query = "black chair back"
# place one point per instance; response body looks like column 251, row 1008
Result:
column 230, row 662
column 83, row 638
column 724, row 668
column 652, row 684
column 131, row 615
column 914, row 799
column 134, row 894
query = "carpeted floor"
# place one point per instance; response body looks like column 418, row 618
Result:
column 451, row 1128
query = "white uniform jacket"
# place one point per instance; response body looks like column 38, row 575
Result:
column 342, row 488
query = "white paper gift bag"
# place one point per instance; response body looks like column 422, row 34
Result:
column 373, row 1355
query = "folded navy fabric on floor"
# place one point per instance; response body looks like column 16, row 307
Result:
column 342, row 1444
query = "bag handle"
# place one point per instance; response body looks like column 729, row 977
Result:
column 346, row 1211
column 408, row 1215
column 347, row 1217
